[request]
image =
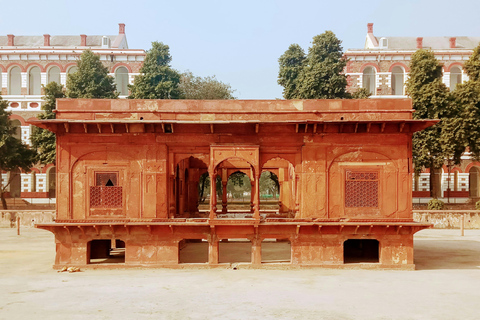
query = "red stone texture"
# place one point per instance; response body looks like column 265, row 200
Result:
column 328, row 156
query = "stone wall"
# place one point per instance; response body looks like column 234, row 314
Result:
column 28, row 218
column 448, row 219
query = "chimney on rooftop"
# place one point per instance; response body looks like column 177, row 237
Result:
column 46, row 40
column 83, row 40
column 11, row 41
column 419, row 43
column 453, row 42
column 121, row 28
column 370, row 27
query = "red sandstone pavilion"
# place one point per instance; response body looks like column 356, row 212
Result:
column 128, row 174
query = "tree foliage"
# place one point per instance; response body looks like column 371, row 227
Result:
column 14, row 154
column 431, row 100
column 158, row 80
column 91, row 80
column 207, row 88
column 291, row 64
column 44, row 141
column 466, row 127
column 317, row 75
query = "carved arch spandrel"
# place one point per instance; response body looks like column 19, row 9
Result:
column 250, row 154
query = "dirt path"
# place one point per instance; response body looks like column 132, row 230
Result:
column 446, row 285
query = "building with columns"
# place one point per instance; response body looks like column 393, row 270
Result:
column 382, row 67
column 129, row 174
column 27, row 63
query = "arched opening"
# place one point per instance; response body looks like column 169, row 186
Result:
column 455, row 77
column 106, row 251
column 276, row 251
column 269, row 191
column 15, row 184
column 397, row 81
column 121, row 80
column 282, row 178
column 239, row 193
column 192, row 188
column 15, row 81
column 237, row 196
column 369, row 79
column 193, row 251
column 54, row 75
column 361, row 251
column 34, row 86
column 18, row 129
column 51, row 175
column 474, row 180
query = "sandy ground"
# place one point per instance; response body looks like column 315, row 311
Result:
column 446, row 285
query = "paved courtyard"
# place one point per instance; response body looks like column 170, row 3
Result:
column 446, row 285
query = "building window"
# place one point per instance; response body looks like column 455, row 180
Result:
column 121, row 79
column 361, row 189
column 397, row 81
column 369, row 79
column 106, row 193
column 455, row 77
column 15, row 81
column 54, row 75
column 34, row 86
column 72, row 70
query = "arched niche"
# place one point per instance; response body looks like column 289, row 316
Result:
column 88, row 195
column 365, row 184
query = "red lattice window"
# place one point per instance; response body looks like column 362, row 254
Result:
column 361, row 189
column 106, row 193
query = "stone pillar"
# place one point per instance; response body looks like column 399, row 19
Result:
column 171, row 208
column 224, row 190
column 213, row 249
column 256, row 250
column 256, row 200
column 296, row 195
column 181, row 191
column 213, row 195
column 281, row 178
column 252, row 195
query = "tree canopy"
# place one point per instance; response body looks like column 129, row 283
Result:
column 431, row 100
column 14, row 154
column 318, row 75
column 465, row 129
column 207, row 88
column 91, row 80
column 43, row 140
column 157, row 79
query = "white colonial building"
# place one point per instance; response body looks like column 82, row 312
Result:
column 382, row 67
column 28, row 62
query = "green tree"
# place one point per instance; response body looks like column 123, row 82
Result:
column 319, row 74
column 207, row 88
column 291, row 65
column 44, row 141
column 157, row 79
column 361, row 93
column 431, row 100
column 14, row 154
column 465, row 128
column 91, row 80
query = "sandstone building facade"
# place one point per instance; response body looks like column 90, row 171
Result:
column 129, row 172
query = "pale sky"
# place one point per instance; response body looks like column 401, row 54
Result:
column 240, row 41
